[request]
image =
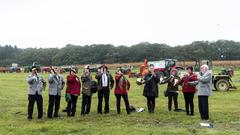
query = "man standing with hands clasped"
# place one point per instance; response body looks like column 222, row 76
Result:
column 204, row 91
column 36, row 85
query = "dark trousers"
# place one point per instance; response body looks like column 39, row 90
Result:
column 31, row 102
column 188, row 97
column 151, row 104
column 172, row 96
column 104, row 92
column 71, row 106
column 125, row 98
column 86, row 104
column 203, row 107
column 54, row 101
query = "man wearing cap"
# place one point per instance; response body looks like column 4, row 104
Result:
column 86, row 90
column 204, row 91
column 56, row 84
column 36, row 85
column 73, row 91
column 105, row 83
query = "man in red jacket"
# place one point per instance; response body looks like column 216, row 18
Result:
column 72, row 92
column 189, row 89
column 121, row 90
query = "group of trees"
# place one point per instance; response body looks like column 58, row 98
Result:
column 106, row 53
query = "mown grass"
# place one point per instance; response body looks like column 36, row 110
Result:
column 224, row 114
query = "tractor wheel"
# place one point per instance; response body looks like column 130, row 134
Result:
column 222, row 85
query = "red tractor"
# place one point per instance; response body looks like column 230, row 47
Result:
column 162, row 67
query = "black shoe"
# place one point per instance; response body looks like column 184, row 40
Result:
column 64, row 110
column 29, row 117
column 39, row 117
column 106, row 112
column 177, row 110
column 55, row 115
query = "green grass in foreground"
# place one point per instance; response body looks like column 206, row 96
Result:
column 224, row 113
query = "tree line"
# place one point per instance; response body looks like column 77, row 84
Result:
column 107, row 53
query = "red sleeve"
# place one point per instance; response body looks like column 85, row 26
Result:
column 193, row 78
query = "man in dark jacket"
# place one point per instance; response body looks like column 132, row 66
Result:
column 151, row 88
column 105, row 83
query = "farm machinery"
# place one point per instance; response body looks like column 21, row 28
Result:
column 162, row 68
column 221, row 81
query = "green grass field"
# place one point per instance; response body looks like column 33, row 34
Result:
column 224, row 114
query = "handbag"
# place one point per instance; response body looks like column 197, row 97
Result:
column 94, row 87
column 67, row 97
column 165, row 93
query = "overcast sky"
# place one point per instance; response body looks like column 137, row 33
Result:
column 55, row 23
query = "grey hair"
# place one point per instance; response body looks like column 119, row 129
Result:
column 205, row 66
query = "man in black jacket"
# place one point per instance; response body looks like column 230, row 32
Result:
column 105, row 83
column 151, row 88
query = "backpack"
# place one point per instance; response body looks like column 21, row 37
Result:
column 93, row 86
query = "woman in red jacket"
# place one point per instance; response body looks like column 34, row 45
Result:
column 72, row 92
column 121, row 90
column 189, row 89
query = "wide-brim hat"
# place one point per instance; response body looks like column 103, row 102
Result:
column 103, row 66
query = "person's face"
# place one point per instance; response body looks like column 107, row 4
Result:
column 52, row 71
column 58, row 71
column 151, row 69
column 189, row 71
column 174, row 72
column 33, row 71
column 104, row 70
column 72, row 73
column 86, row 70
column 119, row 72
column 204, row 69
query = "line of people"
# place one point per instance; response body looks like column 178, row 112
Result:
column 74, row 85
column 105, row 83
column 191, row 83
